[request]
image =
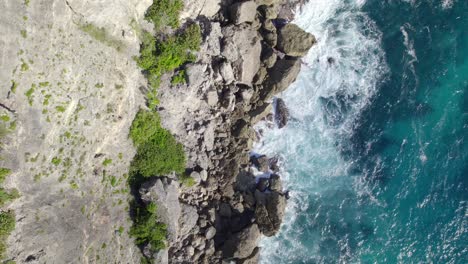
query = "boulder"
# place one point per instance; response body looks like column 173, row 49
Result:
column 260, row 162
column 260, row 112
column 269, row 211
column 243, row 12
column 242, row 47
column 245, row 181
column 165, row 195
column 269, row 57
column 275, row 183
column 226, row 71
column 193, row 9
column 242, row 244
column 294, row 41
column 263, row 184
column 269, row 12
column 281, row 113
column 280, row 76
column 212, row 98
column 210, row 233
column 254, row 258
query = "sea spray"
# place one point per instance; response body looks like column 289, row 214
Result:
column 338, row 78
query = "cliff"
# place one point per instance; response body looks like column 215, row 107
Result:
column 70, row 91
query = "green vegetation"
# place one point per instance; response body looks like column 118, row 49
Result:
column 13, row 87
column 107, row 162
column 158, row 153
column 158, row 57
column 186, row 180
column 26, row 2
column 30, row 94
column 178, row 78
column 24, row 66
column 4, row 172
column 56, row 161
column 164, row 13
column 23, row 33
column 101, row 35
column 60, row 108
column 5, row 118
column 7, row 196
column 7, row 225
column 147, row 229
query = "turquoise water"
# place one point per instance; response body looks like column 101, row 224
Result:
column 376, row 154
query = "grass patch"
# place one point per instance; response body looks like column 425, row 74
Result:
column 60, row 108
column 186, row 180
column 56, row 161
column 100, row 34
column 107, row 162
column 23, row 33
column 24, row 66
column 7, row 225
column 30, row 94
column 5, row 118
column 178, row 78
column 7, row 196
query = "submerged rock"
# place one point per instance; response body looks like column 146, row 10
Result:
column 294, row 41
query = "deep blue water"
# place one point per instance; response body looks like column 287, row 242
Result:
column 376, row 154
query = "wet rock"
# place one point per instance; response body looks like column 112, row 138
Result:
column 269, row 211
column 260, row 162
column 225, row 210
column 281, row 113
column 275, row 183
column 243, row 12
column 294, row 41
column 242, row 244
column 263, row 184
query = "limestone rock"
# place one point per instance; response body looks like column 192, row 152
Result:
column 194, row 8
column 166, row 196
column 243, row 12
column 294, row 41
column 242, row 244
column 283, row 74
column 269, row 211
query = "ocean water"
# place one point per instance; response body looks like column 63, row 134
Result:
column 375, row 155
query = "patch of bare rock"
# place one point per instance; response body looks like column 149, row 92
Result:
column 247, row 56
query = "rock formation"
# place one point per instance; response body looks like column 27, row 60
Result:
column 243, row 62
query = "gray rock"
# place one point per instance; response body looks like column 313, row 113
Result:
column 227, row 72
column 245, row 181
column 260, row 162
column 187, row 220
column 283, row 74
column 260, row 112
column 242, row 244
column 294, row 41
column 269, row 212
column 275, row 183
column 281, row 113
column 204, row 175
column 269, row 57
column 263, row 184
column 254, row 258
column 162, row 256
column 196, row 176
column 269, row 12
column 210, row 233
column 243, row 12
column 194, row 8
column 212, row 98
column 166, row 196
column 225, row 210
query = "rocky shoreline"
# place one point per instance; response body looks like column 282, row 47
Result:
column 248, row 55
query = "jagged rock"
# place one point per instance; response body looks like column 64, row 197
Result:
column 263, row 184
column 212, row 44
column 210, row 233
column 212, row 98
column 294, row 41
column 269, row 12
column 254, row 258
column 242, row 244
column 274, row 164
column 269, row 211
column 281, row 113
column 260, row 112
column 269, row 57
column 204, row 175
column 166, row 196
column 188, row 220
column 243, row 12
column 275, row 183
column 241, row 46
column 245, row 182
column 227, row 72
column 194, row 8
column 266, row 2
column 196, row 74
column 261, row 162
column 162, row 256
column 283, row 74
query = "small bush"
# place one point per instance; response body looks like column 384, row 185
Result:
column 164, row 13
column 4, row 172
column 144, row 126
column 178, row 78
column 56, row 161
column 7, row 196
column 186, row 180
column 107, row 162
column 147, row 230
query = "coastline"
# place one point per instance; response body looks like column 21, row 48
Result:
column 245, row 58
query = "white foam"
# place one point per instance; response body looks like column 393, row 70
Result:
column 308, row 143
